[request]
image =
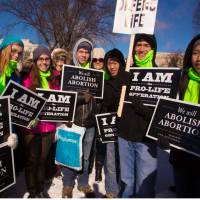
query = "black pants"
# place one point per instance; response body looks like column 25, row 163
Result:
column 51, row 167
column 187, row 180
column 18, row 152
column 100, row 155
column 36, row 148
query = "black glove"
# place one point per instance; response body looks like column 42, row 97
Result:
column 124, row 78
column 163, row 143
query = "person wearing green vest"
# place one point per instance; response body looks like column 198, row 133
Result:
column 186, row 166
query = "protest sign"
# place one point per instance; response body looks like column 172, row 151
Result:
column 5, row 120
column 60, row 105
column 135, row 16
column 25, row 105
column 131, row 17
column 106, row 124
column 79, row 80
column 7, row 168
column 177, row 121
column 152, row 83
column 69, row 147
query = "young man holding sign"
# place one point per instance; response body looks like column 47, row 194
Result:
column 84, row 117
column 138, row 162
column 115, row 66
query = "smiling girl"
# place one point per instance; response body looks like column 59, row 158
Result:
column 38, row 140
column 11, row 51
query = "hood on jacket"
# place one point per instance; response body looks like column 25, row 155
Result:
column 82, row 40
column 116, row 54
column 187, row 60
column 151, row 39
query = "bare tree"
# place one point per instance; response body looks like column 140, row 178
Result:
column 175, row 59
column 61, row 22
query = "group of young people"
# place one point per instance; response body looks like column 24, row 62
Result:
column 130, row 163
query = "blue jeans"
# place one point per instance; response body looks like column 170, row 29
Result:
column 83, row 176
column 138, row 164
column 112, row 169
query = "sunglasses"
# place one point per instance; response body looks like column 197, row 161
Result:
column 96, row 59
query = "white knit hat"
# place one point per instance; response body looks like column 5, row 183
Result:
column 98, row 53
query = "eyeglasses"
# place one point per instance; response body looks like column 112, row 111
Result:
column 44, row 59
column 98, row 59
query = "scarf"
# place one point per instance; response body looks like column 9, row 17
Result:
column 147, row 61
column 7, row 73
column 86, row 65
column 106, row 75
column 193, row 88
column 43, row 79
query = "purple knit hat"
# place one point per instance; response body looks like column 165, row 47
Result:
column 39, row 51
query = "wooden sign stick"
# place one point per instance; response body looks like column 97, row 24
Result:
column 128, row 63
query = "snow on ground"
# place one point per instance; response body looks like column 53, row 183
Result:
column 164, row 180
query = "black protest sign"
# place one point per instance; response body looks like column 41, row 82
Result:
column 7, row 169
column 79, row 79
column 150, row 84
column 5, row 121
column 107, row 129
column 60, row 106
column 25, row 105
column 179, row 122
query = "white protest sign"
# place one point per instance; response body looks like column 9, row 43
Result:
column 135, row 16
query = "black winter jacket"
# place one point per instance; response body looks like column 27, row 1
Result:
column 178, row 158
column 135, row 117
column 85, row 112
